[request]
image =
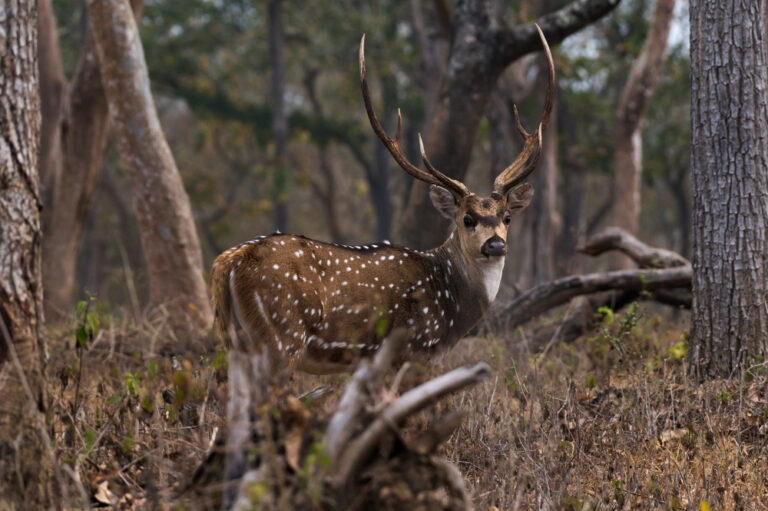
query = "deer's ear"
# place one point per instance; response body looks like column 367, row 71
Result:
column 519, row 198
column 443, row 201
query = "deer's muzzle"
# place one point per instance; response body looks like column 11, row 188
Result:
column 494, row 246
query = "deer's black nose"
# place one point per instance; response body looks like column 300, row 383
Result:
column 494, row 246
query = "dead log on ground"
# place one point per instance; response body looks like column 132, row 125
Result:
column 663, row 276
column 545, row 297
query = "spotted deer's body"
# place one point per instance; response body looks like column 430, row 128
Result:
column 320, row 307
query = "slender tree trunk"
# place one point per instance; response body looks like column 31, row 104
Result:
column 325, row 188
column 279, row 122
column 328, row 194
column 378, row 178
column 53, row 89
column 546, row 217
column 631, row 112
column 168, row 233
column 729, row 118
column 432, row 58
column 75, row 131
column 679, row 189
column 25, row 468
column 573, row 194
column 479, row 53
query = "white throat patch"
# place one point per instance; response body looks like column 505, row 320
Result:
column 492, row 271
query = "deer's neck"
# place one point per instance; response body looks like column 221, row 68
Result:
column 477, row 281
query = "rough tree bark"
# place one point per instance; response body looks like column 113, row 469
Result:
column 633, row 105
column 729, row 121
column 480, row 51
column 75, row 129
column 25, row 468
column 168, row 233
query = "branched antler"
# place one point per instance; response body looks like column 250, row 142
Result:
column 433, row 176
column 518, row 170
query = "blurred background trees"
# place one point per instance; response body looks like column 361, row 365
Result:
column 261, row 107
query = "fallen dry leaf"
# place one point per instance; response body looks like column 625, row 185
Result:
column 104, row 495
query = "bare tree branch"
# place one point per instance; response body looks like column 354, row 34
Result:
column 341, row 427
column 408, row 404
column 546, row 296
column 518, row 41
column 615, row 238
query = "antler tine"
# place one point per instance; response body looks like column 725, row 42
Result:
column 453, row 185
column 393, row 145
column 518, row 170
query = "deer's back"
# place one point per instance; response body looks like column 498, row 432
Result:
column 323, row 306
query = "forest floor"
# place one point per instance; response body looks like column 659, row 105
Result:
column 611, row 421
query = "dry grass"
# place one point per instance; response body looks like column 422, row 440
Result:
column 609, row 422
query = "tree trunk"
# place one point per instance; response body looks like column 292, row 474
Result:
column 378, row 176
column 25, row 469
column 479, row 53
column 279, row 122
column 573, row 186
column 53, row 88
column 325, row 186
column 545, row 216
column 628, row 132
column 431, row 55
column 168, row 235
column 74, row 138
column 729, row 118
column 677, row 186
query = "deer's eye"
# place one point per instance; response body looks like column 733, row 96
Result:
column 507, row 219
column 469, row 221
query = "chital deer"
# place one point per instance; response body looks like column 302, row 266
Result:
column 320, row 306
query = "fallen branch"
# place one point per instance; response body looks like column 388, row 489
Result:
column 645, row 256
column 544, row 297
column 248, row 379
column 359, row 450
column 342, row 425
column 663, row 276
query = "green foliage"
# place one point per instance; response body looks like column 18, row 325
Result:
column 724, row 396
column 316, row 462
column 133, row 384
column 381, row 326
column 86, row 321
column 678, row 350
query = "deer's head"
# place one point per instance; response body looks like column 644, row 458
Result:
column 482, row 223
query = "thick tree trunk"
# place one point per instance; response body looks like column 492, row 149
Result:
column 633, row 105
column 168, row 233
column 74, row 137
column 729, row 118
column 279, row 121
column 479, row 53
column 25, row 469
column 431, row 52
